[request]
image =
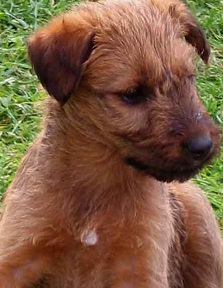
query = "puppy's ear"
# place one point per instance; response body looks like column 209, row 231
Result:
column 193, row 33
column 57, row 53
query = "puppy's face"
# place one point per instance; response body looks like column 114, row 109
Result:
column 134, row 75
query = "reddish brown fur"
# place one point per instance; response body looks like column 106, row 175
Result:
column 75, row 185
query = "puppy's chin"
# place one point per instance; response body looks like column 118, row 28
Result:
column 162, row 174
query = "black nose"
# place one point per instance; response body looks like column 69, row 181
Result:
column 199, row 146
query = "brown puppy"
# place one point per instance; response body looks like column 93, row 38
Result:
column 90, row 206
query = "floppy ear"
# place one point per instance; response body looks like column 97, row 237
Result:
column 191, row 29
column 57, row 53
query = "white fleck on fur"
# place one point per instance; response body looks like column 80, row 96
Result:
column 89, row 238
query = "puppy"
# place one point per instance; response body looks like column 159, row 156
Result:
column 97, row 200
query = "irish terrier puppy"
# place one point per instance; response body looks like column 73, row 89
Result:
column 97, row 201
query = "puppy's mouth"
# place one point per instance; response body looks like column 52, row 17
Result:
column 165, row 174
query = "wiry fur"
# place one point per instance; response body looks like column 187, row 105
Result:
column 77, row 179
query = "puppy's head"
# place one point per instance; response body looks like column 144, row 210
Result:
column 126, row 68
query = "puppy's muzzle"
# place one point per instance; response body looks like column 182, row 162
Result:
column 199, row 146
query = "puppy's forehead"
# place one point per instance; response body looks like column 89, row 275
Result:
column 134, row 39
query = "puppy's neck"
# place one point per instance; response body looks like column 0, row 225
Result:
column 87, row 165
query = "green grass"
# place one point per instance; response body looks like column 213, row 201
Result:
column 19, row 94
column 20, row 97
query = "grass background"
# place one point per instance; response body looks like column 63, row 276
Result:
column 20, row 99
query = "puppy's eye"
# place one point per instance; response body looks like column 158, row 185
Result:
column 134, row 96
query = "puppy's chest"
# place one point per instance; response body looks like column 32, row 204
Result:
column 125, row 251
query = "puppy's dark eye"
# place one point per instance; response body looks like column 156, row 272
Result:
column 135, row 96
